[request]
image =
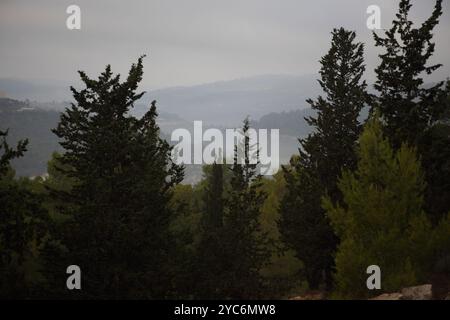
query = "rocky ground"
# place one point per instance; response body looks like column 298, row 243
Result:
column 422, row 292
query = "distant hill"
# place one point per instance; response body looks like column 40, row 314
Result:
column 39, row 90
column 34, row 121
column 291, row 123
column 229, row 102
column 224, row 103
column 25, row 121
column 271, row 101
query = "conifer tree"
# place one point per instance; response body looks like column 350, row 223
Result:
column 245, row 245
column 214, row 197
column 381, row 219
column 407, row 104
column 119, row 228
column 209, row 261
column 323, row 154
column 413, row 111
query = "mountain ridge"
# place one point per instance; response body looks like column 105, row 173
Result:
column 222, row 103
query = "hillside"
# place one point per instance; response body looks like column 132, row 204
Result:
column 26, row 121
column 34, row 121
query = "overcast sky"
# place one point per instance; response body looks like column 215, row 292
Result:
column 189, row 41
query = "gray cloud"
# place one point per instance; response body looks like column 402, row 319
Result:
column 189, row 42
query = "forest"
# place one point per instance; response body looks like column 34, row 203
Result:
column 361, row 191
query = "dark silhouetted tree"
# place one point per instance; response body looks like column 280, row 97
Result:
column 407, row 105
column 330, row 148
column 434, row 148
column 120, row 218
column 245, row 246
column 209, row 259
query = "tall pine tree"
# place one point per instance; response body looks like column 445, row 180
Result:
column 244, row 244
column 412, row 110
column 323, row 154
column 407, row 105
column 209, row 259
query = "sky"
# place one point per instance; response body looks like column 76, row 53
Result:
column 189, row 42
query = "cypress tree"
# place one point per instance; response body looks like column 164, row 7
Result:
column 244, row 244
column 414, row 111
column 303, row 224
column 214, row 198
column 209, row 264
column 406, row 104
column 119, row 227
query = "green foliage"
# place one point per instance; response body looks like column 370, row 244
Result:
column 381, row 221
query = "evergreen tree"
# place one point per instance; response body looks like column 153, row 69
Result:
column 214, row 198
column 414, row 111
column 406, row 105
column 209, row 262
column 381, row 220
column 323, row 153
column 119, row 227
column 245, row 246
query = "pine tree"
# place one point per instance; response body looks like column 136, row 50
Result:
column 413, row 111
column 119, row 227
column 406, row 105
column 381, row 220
column 323, row 154
column 214, row 198
column 209, row 262
column 245, row 245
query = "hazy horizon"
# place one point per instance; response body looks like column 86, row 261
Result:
column 191, row 43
